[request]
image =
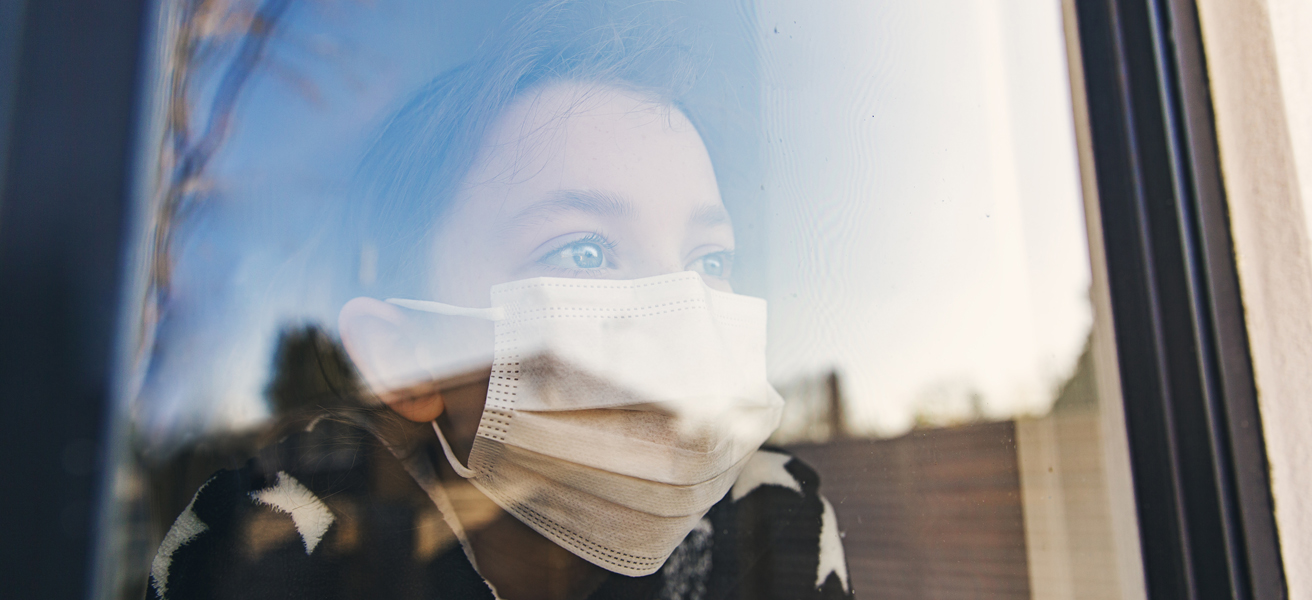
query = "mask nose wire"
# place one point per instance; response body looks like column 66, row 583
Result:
column 496, row 313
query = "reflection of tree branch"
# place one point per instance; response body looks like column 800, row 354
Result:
column 192, row 45
column 234, row 79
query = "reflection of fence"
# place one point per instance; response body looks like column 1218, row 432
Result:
column 1040, row 506
column 932, row 514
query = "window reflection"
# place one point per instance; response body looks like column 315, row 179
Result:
column 357, row 203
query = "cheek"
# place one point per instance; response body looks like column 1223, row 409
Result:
column 451, row 274
column 717, row 284
column 464, row 266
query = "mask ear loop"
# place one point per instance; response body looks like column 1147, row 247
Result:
column 493, row 314
column 460, row 469
column 496, row 313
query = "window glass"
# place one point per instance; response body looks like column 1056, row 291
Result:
column 583, row 298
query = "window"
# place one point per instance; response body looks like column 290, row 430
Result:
column 610, row 299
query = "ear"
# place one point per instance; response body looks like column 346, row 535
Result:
column 377, row 338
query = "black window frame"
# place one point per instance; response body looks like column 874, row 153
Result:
column 71, row 93
column 1206, row 521
column 1205, row 514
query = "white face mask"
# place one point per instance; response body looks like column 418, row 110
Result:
column 618, row 412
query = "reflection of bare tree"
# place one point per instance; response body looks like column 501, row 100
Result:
column 205, row 28
column 211, row 51
column 199, row 39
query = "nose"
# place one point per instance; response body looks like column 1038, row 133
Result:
column 663, row 265
column 670, row 262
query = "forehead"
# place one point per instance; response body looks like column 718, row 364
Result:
column 592, row 137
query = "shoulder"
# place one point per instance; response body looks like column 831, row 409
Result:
column 787, row 528
column 291, row 522
column 775, row 468
column 264, row 511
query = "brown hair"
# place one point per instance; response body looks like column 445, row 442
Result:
column 407, row 179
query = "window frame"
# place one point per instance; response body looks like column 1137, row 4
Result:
column 64, row 211
column 1197, row 453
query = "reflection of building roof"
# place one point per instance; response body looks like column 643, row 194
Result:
column 1009, row 509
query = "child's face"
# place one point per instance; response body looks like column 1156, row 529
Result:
column 572, row 181
column 583, row 181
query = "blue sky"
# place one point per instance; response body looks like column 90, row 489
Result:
column 918, row 223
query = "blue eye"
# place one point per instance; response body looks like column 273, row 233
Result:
column 585, row 254
column 716, row 264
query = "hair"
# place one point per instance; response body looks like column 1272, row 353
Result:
column 411, row 173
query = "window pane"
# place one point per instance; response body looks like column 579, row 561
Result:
column 441, row 297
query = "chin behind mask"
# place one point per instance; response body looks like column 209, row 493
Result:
column 618, row 412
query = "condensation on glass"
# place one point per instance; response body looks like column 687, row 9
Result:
column 436, row 297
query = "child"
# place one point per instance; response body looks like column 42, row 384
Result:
column 548, row 210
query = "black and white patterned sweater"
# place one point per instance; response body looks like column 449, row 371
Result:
column 330, row 513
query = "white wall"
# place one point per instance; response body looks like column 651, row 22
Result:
column 1261, row 75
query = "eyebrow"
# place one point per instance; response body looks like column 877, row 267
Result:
column 601, row 204
column 711, row 215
